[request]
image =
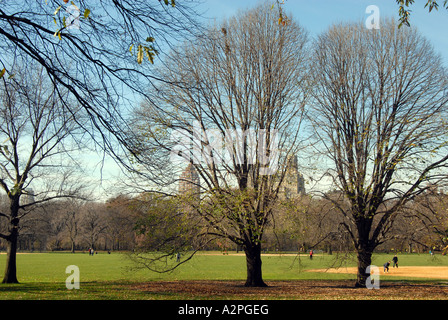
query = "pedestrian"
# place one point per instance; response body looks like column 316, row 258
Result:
column 178, row 257
column 395, row 261
column 311, row 254
column 386, row 266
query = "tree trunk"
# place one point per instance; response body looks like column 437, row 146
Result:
column 253, row 264
column 10, row 275
column 11, row 266
column 364, row 260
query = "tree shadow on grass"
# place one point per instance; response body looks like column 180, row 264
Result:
column 57, row 291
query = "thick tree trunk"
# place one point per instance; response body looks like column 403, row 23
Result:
column 364, row 247
column 10, row 275
column 11, row 266
column 364, row 260
column 253, row 264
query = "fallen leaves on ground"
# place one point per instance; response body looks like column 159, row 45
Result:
column 299, row 289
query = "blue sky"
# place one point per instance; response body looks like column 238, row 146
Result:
column 317, row 15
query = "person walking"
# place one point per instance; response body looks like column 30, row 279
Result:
column 311, row 254
column 395, row 261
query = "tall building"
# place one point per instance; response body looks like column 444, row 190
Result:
column 293, row 183
column 292, row 187
column 189, row 181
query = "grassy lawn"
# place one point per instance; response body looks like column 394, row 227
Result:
column 110, row 276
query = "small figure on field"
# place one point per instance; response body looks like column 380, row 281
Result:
column 178, row 257
column 386, row 266
column 395, row 260
column 311, row 254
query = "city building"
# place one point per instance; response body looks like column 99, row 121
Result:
column 293, row 184
column 189, row 181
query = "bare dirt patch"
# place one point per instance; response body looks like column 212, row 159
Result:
column 297, row 289
column 439, row 272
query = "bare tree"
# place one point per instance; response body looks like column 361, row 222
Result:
column 120, row 219
column 71, row 212
column 232, row 108
column 427, row 221
column 97, row 53
column 51, row 217
column 380, row 115
column 35, row 129
column 93, row 223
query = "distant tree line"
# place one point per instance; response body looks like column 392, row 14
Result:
column 301, row 224
column 77, row 225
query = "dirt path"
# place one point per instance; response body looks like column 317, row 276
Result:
column 407, row 271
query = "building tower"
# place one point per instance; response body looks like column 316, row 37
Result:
column 293, row 183
column 189, row 182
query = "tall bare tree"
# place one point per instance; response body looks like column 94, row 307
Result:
column 232, row 108
column 71, row 218
column 35, row 129
column 93, row 223
column 380, row 114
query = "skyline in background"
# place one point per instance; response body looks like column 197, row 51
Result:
column 315, row 16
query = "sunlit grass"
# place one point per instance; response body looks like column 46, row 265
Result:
column 111, row 276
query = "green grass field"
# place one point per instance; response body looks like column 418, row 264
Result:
column 110, row 276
